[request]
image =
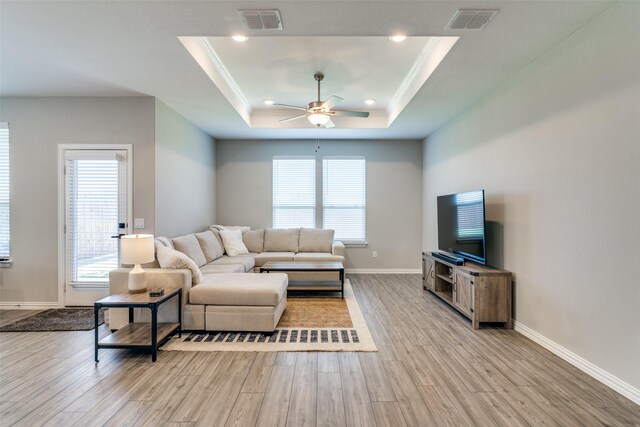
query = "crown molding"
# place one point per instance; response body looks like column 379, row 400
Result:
column 204, row 54
column 428, row 60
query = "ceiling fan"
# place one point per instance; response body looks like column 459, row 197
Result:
column 319, row 113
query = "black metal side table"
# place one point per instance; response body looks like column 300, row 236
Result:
column 139, row 335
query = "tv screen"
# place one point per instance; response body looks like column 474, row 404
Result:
column 461, row 225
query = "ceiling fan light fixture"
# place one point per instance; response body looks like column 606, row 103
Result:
column 318, row 119
column 240, row 38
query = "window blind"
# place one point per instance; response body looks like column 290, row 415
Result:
column 94, row 208
column 344, row 197
column 294, row 192
column 4, row 192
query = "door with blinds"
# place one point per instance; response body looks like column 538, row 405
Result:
column 96, row 213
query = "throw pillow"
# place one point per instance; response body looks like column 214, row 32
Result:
column 233, row 244
column 163, row 241
column 254, row 240
column 170, row 258
column 209, row 245
column 189, row 246
column 316, row 240
column 281, row 239
column 216, row 233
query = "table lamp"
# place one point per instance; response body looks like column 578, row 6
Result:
column 137, row 249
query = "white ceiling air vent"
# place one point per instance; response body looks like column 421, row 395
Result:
column 261, row 19
column 471, row 19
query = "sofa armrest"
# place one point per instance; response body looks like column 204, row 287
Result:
column 337, row 248
column 156, row 278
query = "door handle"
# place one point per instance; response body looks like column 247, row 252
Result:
column 121, row 227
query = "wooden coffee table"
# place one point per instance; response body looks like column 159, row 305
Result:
column 308, row 267
column 139, row 335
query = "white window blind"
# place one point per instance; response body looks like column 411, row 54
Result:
column 94, row 208
column 344, row 197
column 4, row 191
column 294, row 192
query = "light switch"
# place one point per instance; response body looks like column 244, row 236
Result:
column 138, row 223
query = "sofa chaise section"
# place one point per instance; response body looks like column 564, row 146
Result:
column 220, row 302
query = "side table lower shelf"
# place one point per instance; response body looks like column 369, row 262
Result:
column 137, row 335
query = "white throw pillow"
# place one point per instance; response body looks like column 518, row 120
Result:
column 233, row 243
column 170, row 258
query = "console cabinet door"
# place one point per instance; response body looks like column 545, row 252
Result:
column 463, row 294
column 428, row 273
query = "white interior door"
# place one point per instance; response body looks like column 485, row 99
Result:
column 96, row 212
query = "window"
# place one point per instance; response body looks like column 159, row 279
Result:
column 294, row 192
column 4, row 191
column 344, row 197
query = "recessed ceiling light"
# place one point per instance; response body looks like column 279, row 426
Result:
column 240, row 38
column 369, row 101
column 269, row 101
column 398, row 38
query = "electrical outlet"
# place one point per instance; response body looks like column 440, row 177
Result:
column 375, row 254
column 138, row 223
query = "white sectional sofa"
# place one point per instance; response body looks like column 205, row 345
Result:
column 221, row 292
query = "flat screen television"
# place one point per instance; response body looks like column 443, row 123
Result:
column 461, row 225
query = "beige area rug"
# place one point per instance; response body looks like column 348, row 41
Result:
column 308, row 324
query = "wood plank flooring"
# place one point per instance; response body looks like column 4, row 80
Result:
column 432, row 369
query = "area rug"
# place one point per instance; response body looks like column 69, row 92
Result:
column 57, row 319
column 307, row 324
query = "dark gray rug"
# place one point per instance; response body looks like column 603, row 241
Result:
column 58, row 319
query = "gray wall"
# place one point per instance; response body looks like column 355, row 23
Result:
column 185, row 175
column 394, row 192
column 37, row 126
column 557, row 151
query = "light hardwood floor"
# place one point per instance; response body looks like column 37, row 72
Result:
column 431, row 369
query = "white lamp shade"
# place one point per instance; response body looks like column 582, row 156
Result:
column 318, row 119
column 136, row 248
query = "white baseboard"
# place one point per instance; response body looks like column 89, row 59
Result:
column 625, row 389
column 5, row 305
column 382, row 271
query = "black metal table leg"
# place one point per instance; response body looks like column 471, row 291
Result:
column 96, row 311
column 130, row 314
column 154, row 332
column 180, row 313
column 342, row 283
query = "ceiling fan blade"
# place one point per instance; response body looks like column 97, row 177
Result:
column 292, row 118
column 329, row 124
column 349, row 113
column 329, row 103
column 290, row 106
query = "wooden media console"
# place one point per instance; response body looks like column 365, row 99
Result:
column 482, row 294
